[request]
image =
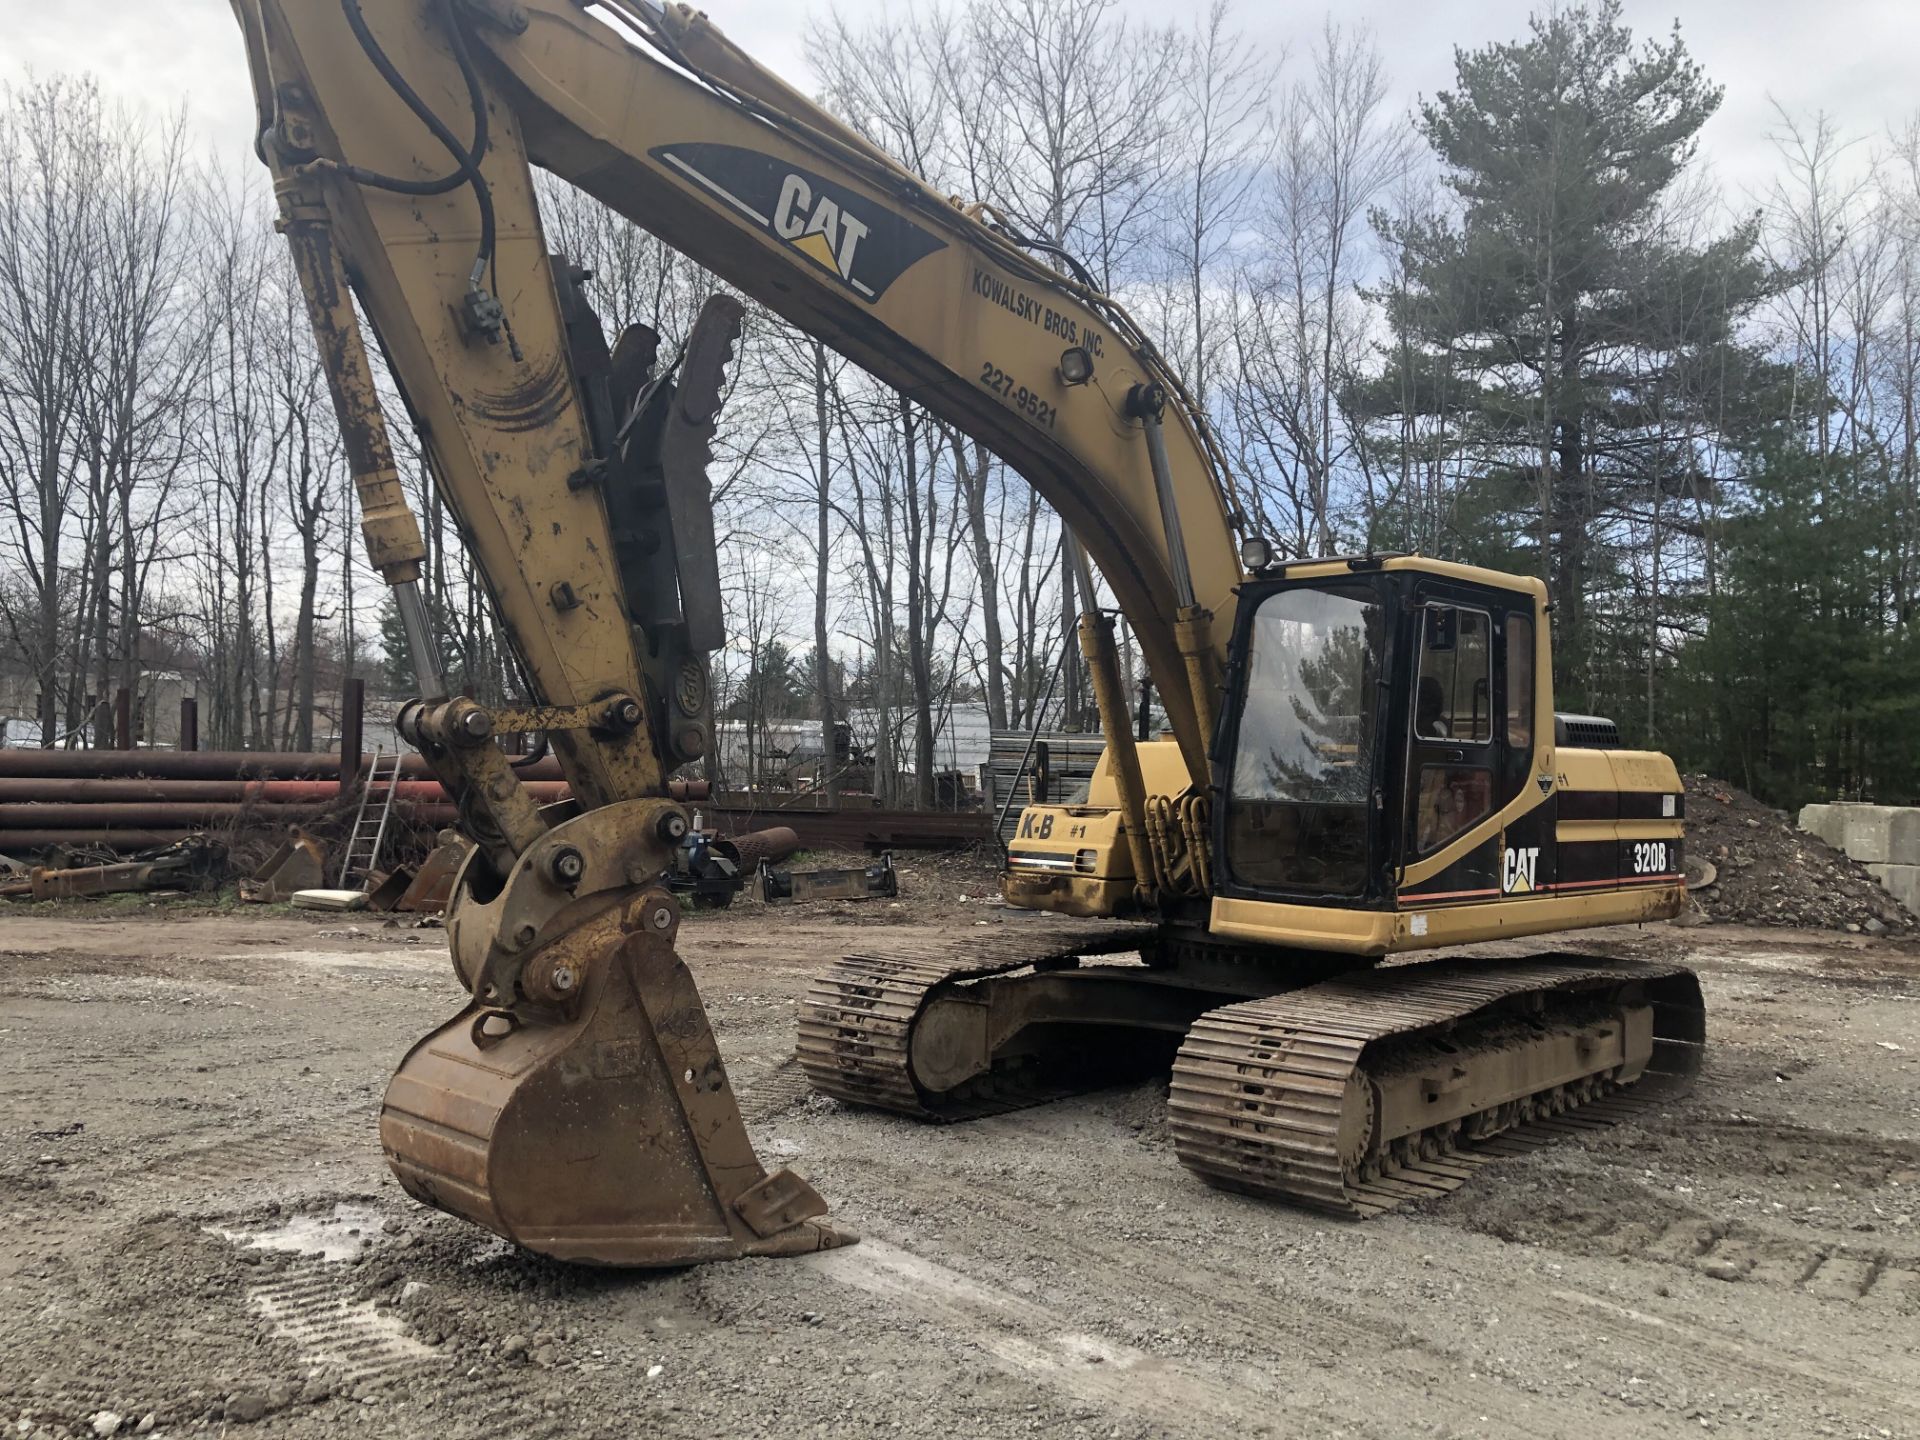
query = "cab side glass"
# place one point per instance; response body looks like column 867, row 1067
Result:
column 1452, row 725
column 1520, row 683
column 1454, row 698
column 1452, row 797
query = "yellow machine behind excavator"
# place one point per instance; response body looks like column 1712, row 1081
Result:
column 1363, row 758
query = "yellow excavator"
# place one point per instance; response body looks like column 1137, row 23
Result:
column 1362, row 760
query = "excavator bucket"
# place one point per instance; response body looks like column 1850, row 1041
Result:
column 609, row 1137
column 393, row 885
column 432, row 886
column 294, row 866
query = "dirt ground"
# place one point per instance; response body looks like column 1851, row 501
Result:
column 197, row 1231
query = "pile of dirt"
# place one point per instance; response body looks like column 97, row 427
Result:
column 1770, row 872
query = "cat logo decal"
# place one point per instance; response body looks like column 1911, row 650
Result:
column 1519, row 869
column 862, row 244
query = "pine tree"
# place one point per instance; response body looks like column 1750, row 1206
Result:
column 1567, row 334
column 396, row 665
column 1805, row 686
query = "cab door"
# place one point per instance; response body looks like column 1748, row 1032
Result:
column 1468, row 731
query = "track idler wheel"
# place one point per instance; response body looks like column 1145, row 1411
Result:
column 603, row 1129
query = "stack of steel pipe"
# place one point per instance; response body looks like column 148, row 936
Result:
column 133, row 799
column 209, row 765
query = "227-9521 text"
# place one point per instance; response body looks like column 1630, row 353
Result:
column 1017, row 395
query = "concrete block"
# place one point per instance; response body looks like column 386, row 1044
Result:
column 1869, row 833
column 1903, row 837
column 1900, row 881
column 330, row 899
column 1826, row 822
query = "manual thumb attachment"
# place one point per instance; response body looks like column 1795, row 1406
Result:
column 608, row 1138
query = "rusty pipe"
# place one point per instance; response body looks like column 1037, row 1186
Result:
column 233, row 766
column 104, row 817
column 212, row 765
column 168, row 764
column 25, row 842
column 772, row 845
column 216, row 813
column 262, row 792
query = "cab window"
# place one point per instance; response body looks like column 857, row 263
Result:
column 1520, row 681
column 1454, row 698
column 1453, row 711
column 1300, row 795
column 1452, row 798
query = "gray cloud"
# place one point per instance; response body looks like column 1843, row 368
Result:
column 1852, row 58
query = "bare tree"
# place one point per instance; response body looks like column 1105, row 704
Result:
column 239, row 443
column 1408, row 474
column 1222, row 126
column 50, row 154
column 1300, row 330
column 822, row 568
column 904, row 86
column 1815, row 213
column 312, row 484
column 143, row 352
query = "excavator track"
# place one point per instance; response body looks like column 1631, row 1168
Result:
column 1281, row 1097
column 1291, row 1096
column 856, row 1022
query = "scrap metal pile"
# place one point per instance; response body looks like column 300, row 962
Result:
column 192, row 864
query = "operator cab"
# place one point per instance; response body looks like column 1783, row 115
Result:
column 1378, row 710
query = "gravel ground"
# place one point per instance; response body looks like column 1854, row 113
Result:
column 197, row 1233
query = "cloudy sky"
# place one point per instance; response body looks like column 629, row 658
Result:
column 1853, row 58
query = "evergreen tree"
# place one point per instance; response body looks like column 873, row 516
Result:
column 457, row 645
column 774, row 687
column 1805, row 685
column 1566, row 336
column 396, row 664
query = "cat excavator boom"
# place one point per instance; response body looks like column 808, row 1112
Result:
column 1297, row 822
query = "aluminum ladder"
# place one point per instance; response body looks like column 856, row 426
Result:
column 370, row 829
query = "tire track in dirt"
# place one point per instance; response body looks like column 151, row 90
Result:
column 309, row 1305
column 1032, row 1340
column 1707, row 1353
column 318, row 1304
column 246, row 1166
column 774, row 1092
column 1136, row 1277
column 1825, row 1266
column 1821, row 1256
column 496, row 1407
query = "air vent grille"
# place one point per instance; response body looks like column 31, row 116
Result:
column 1586, row 732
